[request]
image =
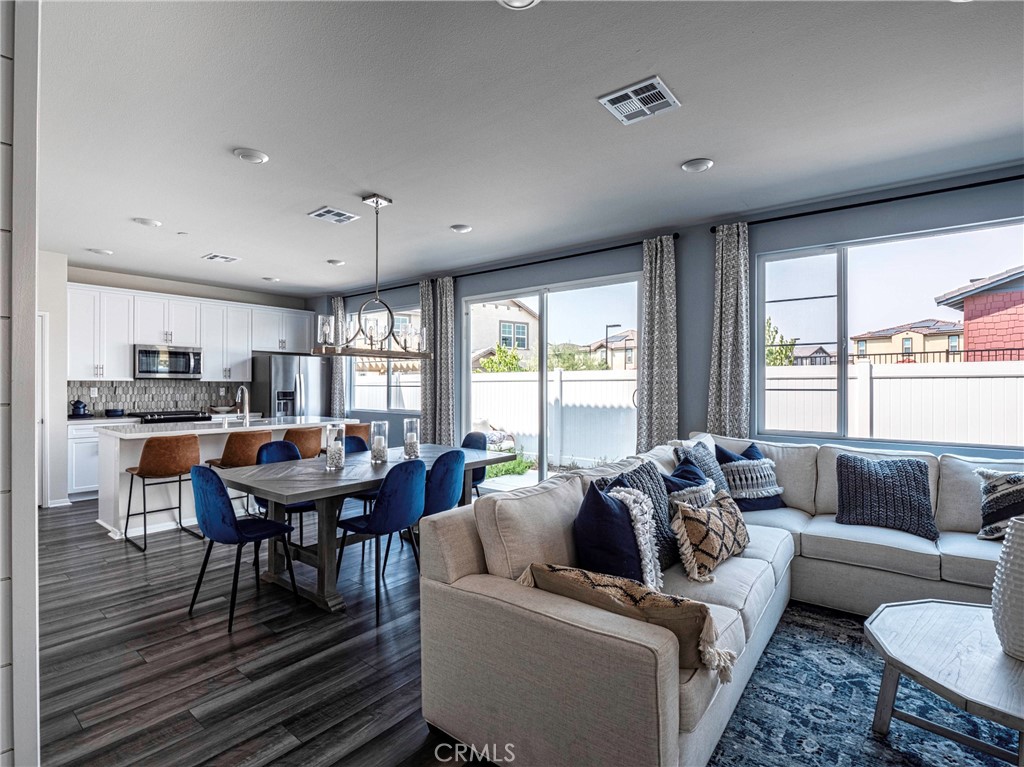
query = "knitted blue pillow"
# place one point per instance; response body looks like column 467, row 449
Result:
column 651, row 482
column 604, row 538
column 700, row 455
column 892, row 493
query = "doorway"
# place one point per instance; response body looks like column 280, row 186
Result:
column 42, row 409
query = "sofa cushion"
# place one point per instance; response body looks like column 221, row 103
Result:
column 826, row 497
column 530, row 524
column 663, row 456
column 771, row 545
column 876, row 547
column 967, row 560
column 796, row 468
column 959, row 506
column 786, row 518
column 745, row 585
column 697, row 686
column 605, row 470
column 890, row 493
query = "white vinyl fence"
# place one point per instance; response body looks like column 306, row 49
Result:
column 980, row 403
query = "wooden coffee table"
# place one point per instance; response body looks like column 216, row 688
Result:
column 952, row 649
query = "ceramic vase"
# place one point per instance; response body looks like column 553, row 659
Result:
column 1008, row 591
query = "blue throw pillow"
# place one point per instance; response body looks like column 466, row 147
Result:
column 604, row 537
column 751, row 478
column 650, row 481
column 752, row 453
column 689, row 472
column 891, row 493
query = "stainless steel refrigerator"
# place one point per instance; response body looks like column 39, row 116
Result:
column 290, row 385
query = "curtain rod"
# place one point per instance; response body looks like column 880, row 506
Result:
column 675, row 236
column 896, row 198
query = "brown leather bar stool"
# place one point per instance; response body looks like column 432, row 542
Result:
column 241, row 449
column 164, row 461
column 308, row 440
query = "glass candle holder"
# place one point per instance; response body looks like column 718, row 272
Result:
column 325, row 329
column 411, row 429
column 335, row 446
column 379, row 442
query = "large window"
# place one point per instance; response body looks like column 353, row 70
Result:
column 916, row 339
column 380, row 384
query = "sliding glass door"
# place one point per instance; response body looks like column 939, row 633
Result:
column 572, row 347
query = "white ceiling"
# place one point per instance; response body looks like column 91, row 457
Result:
column 465, row 112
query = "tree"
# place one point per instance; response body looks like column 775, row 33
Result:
column 504, row 360
column 777, row 350
column 568, row 356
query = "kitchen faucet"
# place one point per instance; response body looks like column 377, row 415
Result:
column 242, row 395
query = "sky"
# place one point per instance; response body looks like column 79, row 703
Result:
column 889, row 283
column 579, row 315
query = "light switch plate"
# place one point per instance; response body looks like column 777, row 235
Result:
column 93, row 391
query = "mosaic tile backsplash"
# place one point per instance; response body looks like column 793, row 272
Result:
column 142, row 396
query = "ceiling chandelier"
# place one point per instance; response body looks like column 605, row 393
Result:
column 364, row 336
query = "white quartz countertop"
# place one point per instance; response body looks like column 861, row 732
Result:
column 217, row 426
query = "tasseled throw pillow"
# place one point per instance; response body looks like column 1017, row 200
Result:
column 690, row 621
column 1002, row 499
column 753, row 485
column 709, row 535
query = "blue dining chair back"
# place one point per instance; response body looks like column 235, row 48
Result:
column 444, row 483
column 217, row 520
column 476, row 440
column 280, row 451
column 355, row 444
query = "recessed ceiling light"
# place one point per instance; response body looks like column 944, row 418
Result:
column 100, row 251
column 254, row 156
column 518, row 5
column 697, row 165
column 183, row 233
column 147, row 221
column 960, row 1
column 272, row 279
column 461, row 228
column 335, row 262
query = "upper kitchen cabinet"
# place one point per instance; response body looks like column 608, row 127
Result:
column 282, row 330
column 166, row 321
column 226, row 342
column 99, row 335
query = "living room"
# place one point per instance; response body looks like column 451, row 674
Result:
column 723, row 302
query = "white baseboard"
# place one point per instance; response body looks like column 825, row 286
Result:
column 57, row 504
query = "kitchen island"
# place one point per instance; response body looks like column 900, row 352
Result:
column 121, row 446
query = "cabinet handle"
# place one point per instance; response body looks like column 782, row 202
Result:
column 170, row 336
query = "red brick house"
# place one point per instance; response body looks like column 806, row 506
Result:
column 993, row 310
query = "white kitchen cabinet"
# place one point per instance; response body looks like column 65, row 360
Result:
column 282, row 330
column 84, row 464
column 99, row 335
column 163, row 321
column 227, row 342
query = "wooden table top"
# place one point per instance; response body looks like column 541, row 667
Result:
column 291, row 482
column 952, row 649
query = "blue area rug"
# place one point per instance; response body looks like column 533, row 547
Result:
column 812, row 697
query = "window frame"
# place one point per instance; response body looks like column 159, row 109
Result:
column 907, row 346
column 515, row 336
column 953, row 343
column 350, row 377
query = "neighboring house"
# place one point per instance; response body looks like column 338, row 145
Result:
column 509, row 323
column 810, row 354
column 993, row 310
column 941, row 339
column 377, row 321
column 621, row 353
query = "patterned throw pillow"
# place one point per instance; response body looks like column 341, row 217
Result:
column 690, row 621
column 702, row 457
column 687, row 484
column 1002, row 499
column 891, row 493
column 708, row 536
column 649, row 480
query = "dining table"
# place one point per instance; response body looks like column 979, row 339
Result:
column 288, row 482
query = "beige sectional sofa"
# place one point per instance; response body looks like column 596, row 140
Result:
column 566, row 683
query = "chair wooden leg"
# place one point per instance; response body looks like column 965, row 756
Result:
column 256, row 563
column 376, row 575
column 202, row 572
column 415, row 548
column 291, row 569
column 341, row 553
column 387, row 550
column 234, row 587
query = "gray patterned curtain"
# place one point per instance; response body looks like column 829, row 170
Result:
column 437, row 392
column 658, row 373
column 338, row 364
column 729, row 387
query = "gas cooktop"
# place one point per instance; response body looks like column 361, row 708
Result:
column 171, row 416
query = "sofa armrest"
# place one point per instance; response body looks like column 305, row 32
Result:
column 563, row 682
column 450, row 547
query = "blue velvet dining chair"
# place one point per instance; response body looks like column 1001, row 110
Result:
column 399, row 506
column 217, row 520
column 477, row 440
column 443, row 489
column 278, row 452
column 355, row 444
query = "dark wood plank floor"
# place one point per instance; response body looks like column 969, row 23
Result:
column 129, row 678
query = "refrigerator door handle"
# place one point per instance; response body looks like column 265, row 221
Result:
column 297, row 399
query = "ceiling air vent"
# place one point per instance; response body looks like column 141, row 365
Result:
column 220, row 258
column 640, row 101
column 334, row 215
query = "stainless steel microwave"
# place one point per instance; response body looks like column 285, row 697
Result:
column 168, row 362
